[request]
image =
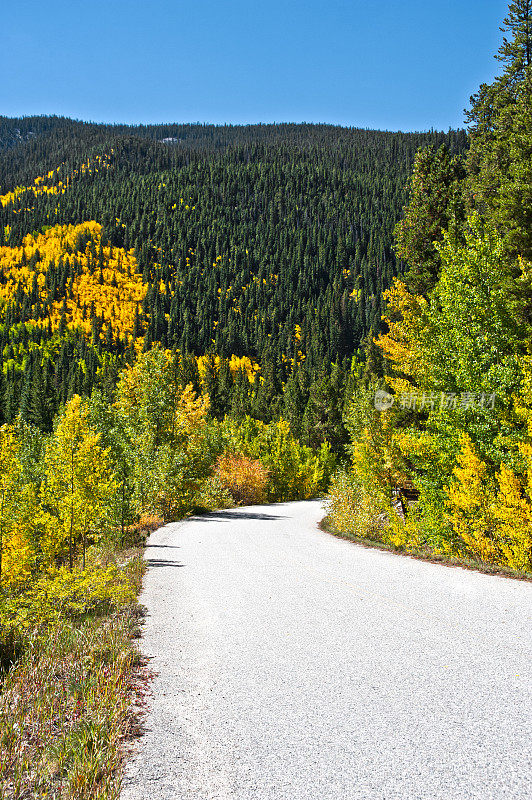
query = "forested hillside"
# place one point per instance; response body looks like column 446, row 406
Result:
column 269, row 242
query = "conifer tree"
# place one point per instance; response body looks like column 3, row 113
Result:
column 499, row 165
column 434, row 202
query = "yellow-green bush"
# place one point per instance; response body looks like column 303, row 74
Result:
column 212, row 495
column 352, row 510
column 61, row 594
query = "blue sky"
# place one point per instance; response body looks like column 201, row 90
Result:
column 390, row 64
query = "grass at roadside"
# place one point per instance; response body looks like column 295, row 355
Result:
column 426, row 555
column 65, row 704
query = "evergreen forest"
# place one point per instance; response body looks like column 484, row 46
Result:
column 269, row 243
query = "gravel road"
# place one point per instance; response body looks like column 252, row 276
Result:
column 296, row 666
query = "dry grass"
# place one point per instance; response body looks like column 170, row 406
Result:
column 65, row 707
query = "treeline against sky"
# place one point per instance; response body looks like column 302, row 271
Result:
column 271, row 242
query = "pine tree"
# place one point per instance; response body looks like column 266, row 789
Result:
column 499, row 180
column 434, row 202
column 295, row 399
column 323, row 419
column 240, row 404
column 516, row 51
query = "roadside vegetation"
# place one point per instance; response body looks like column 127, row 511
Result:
column 440, row 428
column 65, row 704
column 75, row 506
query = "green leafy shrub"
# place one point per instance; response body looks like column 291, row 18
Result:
column 61, row 595
column 352, row 509
column 213, row 495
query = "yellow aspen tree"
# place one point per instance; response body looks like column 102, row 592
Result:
column 408, row 329
column 470, row 504
column 513, row 507
column 115, row 299
column 512, row 511
column 165, row 422
column 17, row 507
column 79, row 480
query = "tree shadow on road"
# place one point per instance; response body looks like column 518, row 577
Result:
column 216, row 516
column 169, row 546
column 160, row 562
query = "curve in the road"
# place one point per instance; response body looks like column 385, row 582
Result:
column 292, row 665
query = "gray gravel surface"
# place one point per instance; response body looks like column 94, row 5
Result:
column 296, row 666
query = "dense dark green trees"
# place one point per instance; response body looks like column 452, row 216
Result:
column 499, row 183
column 269, row 241
column 435, row 202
